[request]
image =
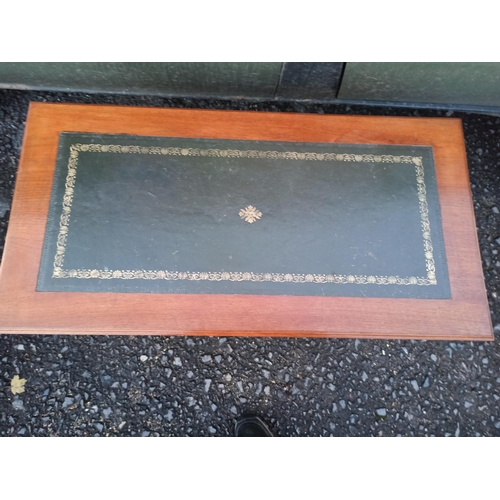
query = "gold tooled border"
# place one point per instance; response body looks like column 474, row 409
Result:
column 75, row 149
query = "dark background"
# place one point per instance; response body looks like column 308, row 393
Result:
column 197, row 386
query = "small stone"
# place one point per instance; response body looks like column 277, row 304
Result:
column 228, row 377
column 342, row 404
column 67, row 402
column 208, row 383
column 266, row 373
column 169, row 415
column 495, row 210
column 234, row 410
column 107, row 412
column 218, row 358
column 145, row 434
column 122, row 425
column 467, row 404
column 19, row 347
column 485, row 361
column 415, row 386
column 177, row 362
column 334, row 408
column 190, row 374
column 18, row 404
column 143, row 358
column 99, row 427
column 239, row 385
column 381, row 412
column 434, row 357
column 364, row 377
column 426, row 382
column 267, row 390
column 207, row 358
column 212, row 430
column 498, row 241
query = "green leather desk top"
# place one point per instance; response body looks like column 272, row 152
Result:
column 179, row 215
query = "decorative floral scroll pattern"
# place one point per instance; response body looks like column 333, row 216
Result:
column 75, row 149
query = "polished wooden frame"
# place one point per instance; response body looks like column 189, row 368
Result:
column 24, row 310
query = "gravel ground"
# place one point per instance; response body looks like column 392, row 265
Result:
column 169, row 386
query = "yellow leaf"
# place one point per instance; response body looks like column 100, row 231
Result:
column 17, row 385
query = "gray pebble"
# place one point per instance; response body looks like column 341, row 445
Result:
column 18, row 404
column 381, row 412
column 207, row 358
column 208, row 383
column 68, row 402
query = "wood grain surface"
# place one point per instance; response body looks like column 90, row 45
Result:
column 24, row 310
